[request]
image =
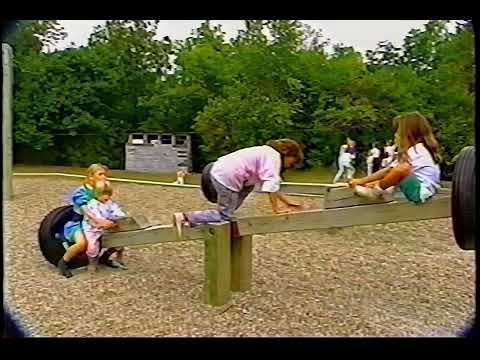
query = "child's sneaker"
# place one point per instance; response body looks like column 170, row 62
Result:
column 63, row 269
column 374, row 193
column 121, row 264
column 178, row 220
column 105, row 260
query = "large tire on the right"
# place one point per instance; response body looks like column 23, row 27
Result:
column 51, row 246
column 463, row 200
column 207, row 186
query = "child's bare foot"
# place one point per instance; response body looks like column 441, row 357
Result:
column 373, row 184
column 372, row 193
column 354, row 182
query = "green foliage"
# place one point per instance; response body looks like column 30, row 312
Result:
column 244, row 117
column 274, row 79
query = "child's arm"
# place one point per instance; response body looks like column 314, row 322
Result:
column 380, row 174
column 116, row 212
column 95, row 217
column 269, row 173
column 286, row 200
column 97, row 220
column 275, row 201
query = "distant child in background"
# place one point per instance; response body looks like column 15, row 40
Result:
column 235, row 175
column 415, row 171
column 181, row 174
column 373, row 160
column 345, row 167
column 352, row 149
column 102, row 207
column 389, row 154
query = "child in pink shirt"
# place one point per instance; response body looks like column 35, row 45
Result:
column 234, row 176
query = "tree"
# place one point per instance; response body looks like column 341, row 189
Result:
column 34, row 36
column 420, row 48
column 246, row 116
column 274, row 79
column 386, row 54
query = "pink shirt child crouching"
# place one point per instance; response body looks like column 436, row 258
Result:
column 248, row 167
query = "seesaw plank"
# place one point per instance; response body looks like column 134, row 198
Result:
column 345, row 196
column 151, row 235
column 307, row 188
column 391, row 212
column 345, row 217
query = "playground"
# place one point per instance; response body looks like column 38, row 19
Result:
column 398, row 279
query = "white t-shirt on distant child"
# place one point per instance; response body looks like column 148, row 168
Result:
column 424, row 168
column 390, row 152
column 344, row 158
column 373, row 154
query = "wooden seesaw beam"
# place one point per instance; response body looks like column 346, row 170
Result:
column 228, row 255
column 368, row 214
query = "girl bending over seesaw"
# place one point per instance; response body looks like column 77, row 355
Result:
column 235, row 175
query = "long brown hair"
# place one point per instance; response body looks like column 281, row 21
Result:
column 413, row 128
column 288, row 147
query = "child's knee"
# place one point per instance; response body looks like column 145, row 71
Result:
column 81, row 242
column 403, row 169
column 83, row 246
column 92, row 249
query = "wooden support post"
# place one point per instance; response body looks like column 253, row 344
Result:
column 7, row 116
column 241, row 263
column 217, row 265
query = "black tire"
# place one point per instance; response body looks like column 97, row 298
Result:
column 51, row 247
column 207, row 187
column 463, row 200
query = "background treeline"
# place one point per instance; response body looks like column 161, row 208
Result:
column 274, row 79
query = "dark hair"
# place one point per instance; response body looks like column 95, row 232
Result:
column 288, row 147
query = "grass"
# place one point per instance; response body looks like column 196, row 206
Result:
column 316, row 175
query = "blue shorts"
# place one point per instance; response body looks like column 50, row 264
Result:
column 72, row 227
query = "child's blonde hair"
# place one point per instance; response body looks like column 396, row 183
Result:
column 92, row 169
column 103, row 189
column 413, row 128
